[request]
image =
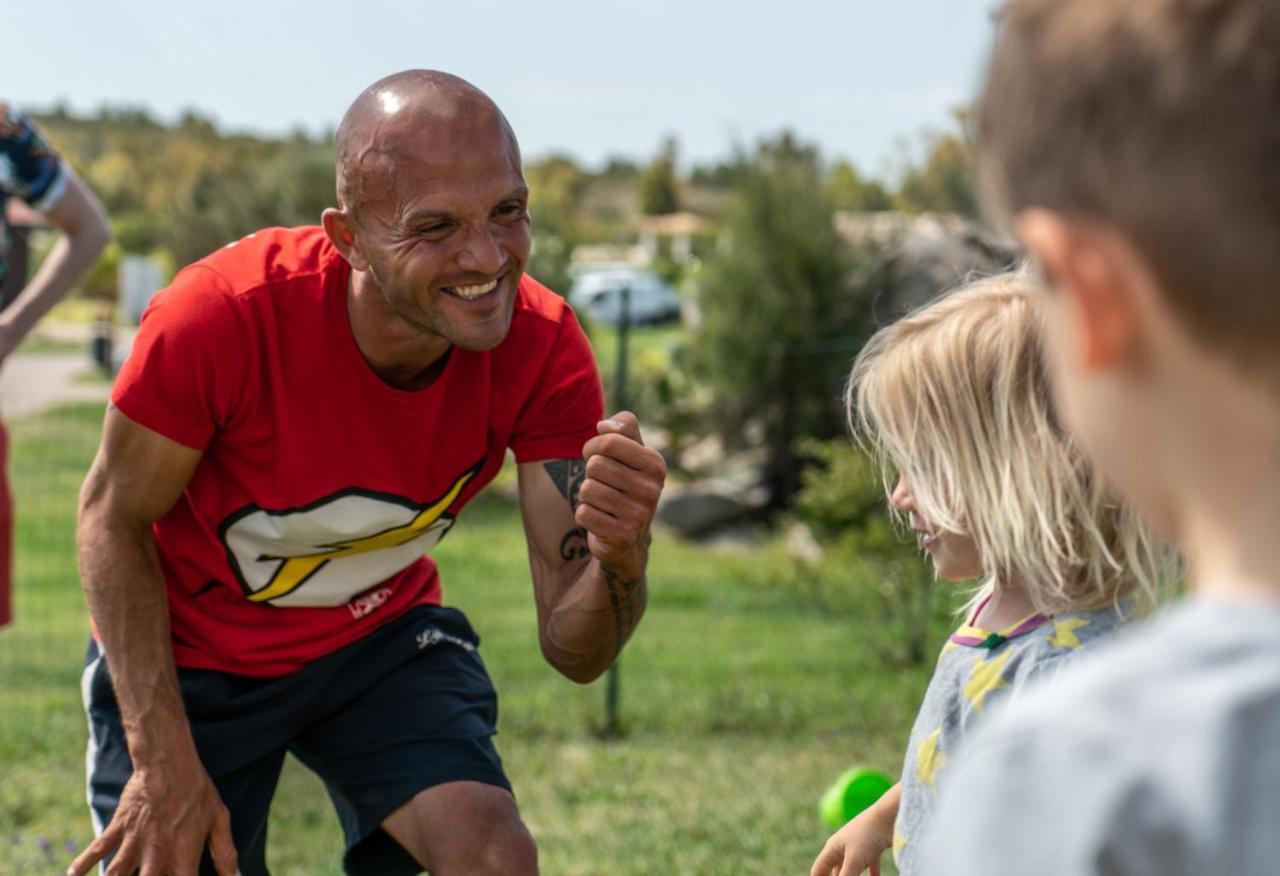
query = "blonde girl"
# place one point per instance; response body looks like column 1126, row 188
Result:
column 955, row 400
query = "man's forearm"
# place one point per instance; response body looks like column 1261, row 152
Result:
column 597, row 611
column 124, row 587
column 628, row 594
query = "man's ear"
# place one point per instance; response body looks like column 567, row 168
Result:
column 337, row 225
column 1091, row 267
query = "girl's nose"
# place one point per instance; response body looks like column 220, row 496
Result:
column 901, row 496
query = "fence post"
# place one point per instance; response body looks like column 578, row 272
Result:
column 613, row 680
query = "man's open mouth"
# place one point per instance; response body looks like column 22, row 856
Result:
column 471, row 293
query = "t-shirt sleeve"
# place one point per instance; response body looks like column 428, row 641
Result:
column 189, row 363
column 567, row 401
column 29, row 169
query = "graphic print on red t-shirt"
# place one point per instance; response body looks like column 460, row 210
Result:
column 338, row 547
column 320, row 488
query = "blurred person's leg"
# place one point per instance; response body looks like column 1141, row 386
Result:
column 6, row 532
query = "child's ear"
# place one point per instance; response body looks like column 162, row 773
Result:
column 1090, row 268
column 337, row 226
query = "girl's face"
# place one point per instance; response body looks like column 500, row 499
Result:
column 955, row 556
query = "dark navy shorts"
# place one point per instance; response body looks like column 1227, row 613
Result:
column 408, row 707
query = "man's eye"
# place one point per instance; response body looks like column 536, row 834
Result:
column 511, row 210
column 434, row 230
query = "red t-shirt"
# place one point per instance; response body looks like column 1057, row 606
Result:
column 321, row 488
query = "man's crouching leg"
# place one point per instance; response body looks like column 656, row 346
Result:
column 465, row 829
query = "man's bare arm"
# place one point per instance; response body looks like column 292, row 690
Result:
column 169, row 808
column 587, row 522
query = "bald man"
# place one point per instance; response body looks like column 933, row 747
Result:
column 303, row 417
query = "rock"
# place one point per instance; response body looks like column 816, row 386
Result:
column 702, row 454
column 917, row 257
column 736, row 538
column 802, row 545
column 701, row 508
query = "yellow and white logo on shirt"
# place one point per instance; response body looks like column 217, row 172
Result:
column 335, row 548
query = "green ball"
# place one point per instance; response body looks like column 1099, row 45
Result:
column 852, row 793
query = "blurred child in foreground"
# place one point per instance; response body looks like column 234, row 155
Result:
column 1135, row 149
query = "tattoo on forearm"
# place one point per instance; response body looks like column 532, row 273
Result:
column 625, row 598
column 573, row 546
column 568, row 475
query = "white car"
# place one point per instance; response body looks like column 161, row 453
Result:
column 599, row 294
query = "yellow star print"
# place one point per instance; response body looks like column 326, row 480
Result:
column 1064, row 632
column 985, row 679
column 899, row 843
column 930, row 759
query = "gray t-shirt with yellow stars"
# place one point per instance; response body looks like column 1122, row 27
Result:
column 977, row 671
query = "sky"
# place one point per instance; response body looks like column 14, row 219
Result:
column 862, row 78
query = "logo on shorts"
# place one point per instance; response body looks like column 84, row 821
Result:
column 336, row 548
column 434, row 636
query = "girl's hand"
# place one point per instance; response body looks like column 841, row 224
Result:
column 852, row 850
column 857, row 847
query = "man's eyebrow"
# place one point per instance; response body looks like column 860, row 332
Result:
column 415, row 217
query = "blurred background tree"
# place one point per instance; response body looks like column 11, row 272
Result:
column 849, row 190
column 947, row 180
column 556, row 186
column 656, row 188
column 782, row 316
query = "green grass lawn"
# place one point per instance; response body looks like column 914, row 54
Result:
column 741, row 702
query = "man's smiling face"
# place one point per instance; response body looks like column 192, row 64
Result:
column 441, row 216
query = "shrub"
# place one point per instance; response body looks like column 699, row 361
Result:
column 869, row 565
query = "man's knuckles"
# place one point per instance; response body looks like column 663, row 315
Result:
column 641, row 484
column 624, row 452
column 623, row 529
column 636, row 509
column 618, row 446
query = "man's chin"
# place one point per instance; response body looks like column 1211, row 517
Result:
column 482, row 335
column 480, row 339
column 478, row 344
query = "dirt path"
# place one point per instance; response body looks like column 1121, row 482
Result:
column 33, row 382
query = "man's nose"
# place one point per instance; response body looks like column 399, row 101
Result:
column 481, row 253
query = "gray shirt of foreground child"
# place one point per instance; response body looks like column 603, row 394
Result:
column 1158, row 756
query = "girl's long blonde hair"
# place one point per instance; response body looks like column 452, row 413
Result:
column 956, row 399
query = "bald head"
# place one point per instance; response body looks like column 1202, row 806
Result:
column 405, row 117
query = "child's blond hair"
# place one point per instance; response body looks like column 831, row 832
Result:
column 955, row 397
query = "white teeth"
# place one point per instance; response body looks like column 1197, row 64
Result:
column 472, row 292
